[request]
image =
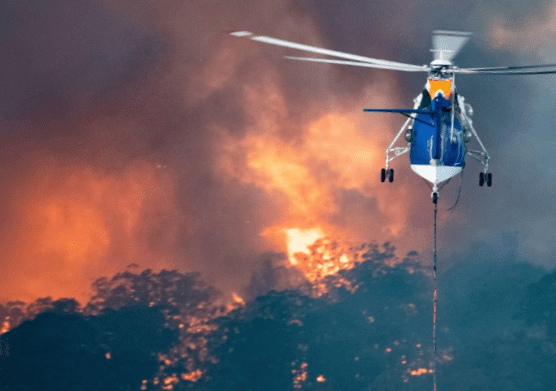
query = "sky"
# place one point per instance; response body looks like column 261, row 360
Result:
column 143, row 134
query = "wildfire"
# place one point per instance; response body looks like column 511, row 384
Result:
column 306, row 176
column 312, row 251
column 318, row 258
column 299, row 375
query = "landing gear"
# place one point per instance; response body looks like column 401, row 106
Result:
column 387, row 174
column 485, row 178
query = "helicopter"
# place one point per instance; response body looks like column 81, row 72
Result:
column 439, row 126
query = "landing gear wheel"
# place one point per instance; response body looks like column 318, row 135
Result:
column 481, row 179
column 391, row 175
column 382, row 175
column 489, row 179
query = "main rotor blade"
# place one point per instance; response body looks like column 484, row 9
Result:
column 495, row 69
column 553, row 71
column 314, row 49
column 511, row 70
column 407, row 68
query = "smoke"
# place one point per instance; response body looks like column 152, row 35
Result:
column 74, row 223
column 143, row 133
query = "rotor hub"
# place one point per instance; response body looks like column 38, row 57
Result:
column 441, row 69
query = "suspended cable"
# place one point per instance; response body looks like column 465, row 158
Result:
column 434, row 300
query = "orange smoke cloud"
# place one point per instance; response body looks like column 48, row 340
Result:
column 76, row 224
column 71, row 229
column 268, row 152
column 338, row 151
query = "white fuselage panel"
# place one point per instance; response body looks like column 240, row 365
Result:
column 435, row 174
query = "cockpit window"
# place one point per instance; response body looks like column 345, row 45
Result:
column 425, row 100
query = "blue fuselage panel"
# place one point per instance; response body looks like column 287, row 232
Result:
column 431, row 136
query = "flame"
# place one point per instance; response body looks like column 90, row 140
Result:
column 419, row 372
column 169, row 382
column 317, row 256
column 321, row 378
column 5, row 326
column 237, row 299
column 298, row 241
column 192, row 376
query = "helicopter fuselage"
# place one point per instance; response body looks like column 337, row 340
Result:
column 437, row 150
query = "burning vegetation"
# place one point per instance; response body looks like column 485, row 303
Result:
column 359, row 327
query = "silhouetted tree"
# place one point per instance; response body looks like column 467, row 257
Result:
column 364, row 328
column 67, row 351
